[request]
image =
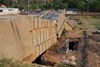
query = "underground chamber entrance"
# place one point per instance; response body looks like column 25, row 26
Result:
column 42, row 62
column 73, row 45
column 38, row 59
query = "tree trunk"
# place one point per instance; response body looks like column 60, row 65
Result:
column 88, row 7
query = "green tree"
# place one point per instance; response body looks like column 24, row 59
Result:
column 15, row 6
column 56, row 7
column 6, row 2
column 42, row 6
column 57, row 4
column 73, row 3
column 81, row 5
column 21, row 6
column 34, row 7
column 95, row 6
column 48, row 5
column 1, row 1
column 63, row 6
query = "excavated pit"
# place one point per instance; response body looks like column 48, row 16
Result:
column 38, row 59
column 73, row 45
column 43, row 62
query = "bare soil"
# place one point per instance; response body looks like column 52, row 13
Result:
column 51, row 54
column 88, row 52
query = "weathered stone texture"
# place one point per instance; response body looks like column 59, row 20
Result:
column 26, row 37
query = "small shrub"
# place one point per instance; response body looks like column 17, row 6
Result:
column 61, row 36
column 4, row 59
column 94, row 16
column 78, row 19
column 74, row 27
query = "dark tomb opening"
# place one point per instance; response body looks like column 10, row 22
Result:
column 41, row 62
column 73, row 45
column 38, row 59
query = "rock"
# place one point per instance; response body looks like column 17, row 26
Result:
column 15, row 39
column 23, row 63
column 99, row 40
column 72, row 58
column 44, row 59
column 69, row 60
column 83, row 28
column 44, row 66
column 98, row 31
column 79, row 23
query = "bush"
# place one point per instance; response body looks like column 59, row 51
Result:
column 74, row 27
column 48, row 5
column 94, row 16
column 15, row 6
column 61, row 36
column 34, row 7
column 78, row 19
column 21, row 6
column 56, row 7
column 42, row 6
column 63, row 6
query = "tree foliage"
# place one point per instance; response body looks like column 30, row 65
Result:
column 48, row 5
column 81, row 5
column 59, row 5
column 6, row 2
column 94, row 6
column 15, row 6
column 21, row 6
column 63, row 6
column 1, row 1
column 33, row 7
column 42, row 6
column 56, row 4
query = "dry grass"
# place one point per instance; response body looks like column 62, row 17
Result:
column 11, row 63
column 89, row 22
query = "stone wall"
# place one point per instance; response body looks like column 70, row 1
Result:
column 26, row 37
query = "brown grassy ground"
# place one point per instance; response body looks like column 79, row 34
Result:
column 92, row 48
column 89, row 22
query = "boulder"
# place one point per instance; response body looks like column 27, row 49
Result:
column 69, row 60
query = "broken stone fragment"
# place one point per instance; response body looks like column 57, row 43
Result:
column 98, row 31
column 44, row 59
column 69, row 60
column 83, row 28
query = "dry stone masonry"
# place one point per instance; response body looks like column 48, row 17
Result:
column 26, row 37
